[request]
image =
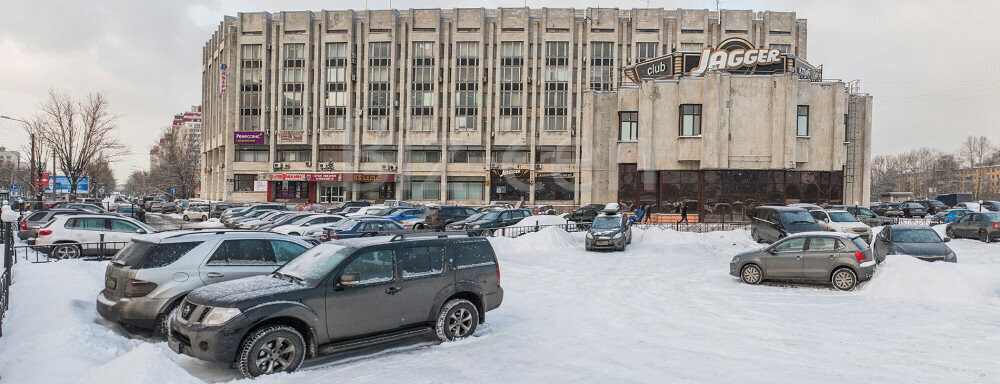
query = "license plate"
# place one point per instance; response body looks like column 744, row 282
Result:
column 110, row 283
column 603, row 243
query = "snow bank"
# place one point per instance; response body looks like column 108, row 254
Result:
column 148, row 363
column 546, row 239
column 541, row 220
column 905, row 278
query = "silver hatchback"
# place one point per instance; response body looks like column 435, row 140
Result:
column 841, row 259
column 148, row 278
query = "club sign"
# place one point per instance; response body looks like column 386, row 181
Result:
column 733, row 55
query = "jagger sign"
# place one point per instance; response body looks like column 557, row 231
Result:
column 733, row 55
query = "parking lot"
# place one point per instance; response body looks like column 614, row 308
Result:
column 665, row 309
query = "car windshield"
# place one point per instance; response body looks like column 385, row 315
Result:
column 607, row 222
column 915, row 236
column 914, row 205
column 489, row 216
column 937, row 203
column 300, row 219
column 346, row 224
column 866, row 212
column 842, row 217
column 315, row 263
column 793, row 217
column 476, row 216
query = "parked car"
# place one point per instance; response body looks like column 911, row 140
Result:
column 462, row 224
column 339, row 208
column 930, row 206
column 170, row 207
column 354, row 227
column 141, row 287
column 37, row 219
column 233, row 222
column 842, row 259
column 316, row 208
column 889, row 209
column 494, row 207
column 918, row 241
column 865, row 215
column 196, row 212
column 772, row 223
column 984, row 226
column 947, row 216
column 254, row 208
column 371, row 210
column 263, row 219
column 841, row 221
column 913, row 210
column 286, row 219
column 586, row 213
column 972, row 206
column 438, row 217
column 405, row 214
column 155, row 206
column 609, row 230
column 490, row 223
column 63, row 237
column 301, row 226
column 541, row 209
column 217, row 209
column 991, row 205
column 131, row 210
column 414, row 223
column 806, row 206
column 340, row 296
column 397, row 204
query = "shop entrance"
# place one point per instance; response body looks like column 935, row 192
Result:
column 332, row 194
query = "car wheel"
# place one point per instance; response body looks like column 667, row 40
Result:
column 418, row 226
column 752, row 274
column 984, row 236
column 66, row 251
column 844, row 279
column 163, row 326
column 457, row 320
column 270, row 350
column 589, row 248
column 754, row 236
column 186, row 218
column 950, row 233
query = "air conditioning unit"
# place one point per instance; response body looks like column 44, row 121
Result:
column 384, row 167
column 529, row 80
column 395, row 103
column 322, row 165
column 277, row 165
column 538, row 166
column 286, row 166
column 309, row 163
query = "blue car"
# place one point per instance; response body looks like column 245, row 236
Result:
column 948, row 216
column 361, row 227
column 405, row 214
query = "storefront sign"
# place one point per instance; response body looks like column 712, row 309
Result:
column 290, row 136
column 554, row 174
column 510, row 172
column 260, row 186
column 248, row 137
column 733, row 55
column 222, row 78
column 328, row 176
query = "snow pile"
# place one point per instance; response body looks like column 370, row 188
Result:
column 905, row 278
column 546, row 239
column 541, row 220
column 148, row 363
column 210, row 223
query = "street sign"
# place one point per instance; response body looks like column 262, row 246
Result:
column 13, row 187
column 173, row 190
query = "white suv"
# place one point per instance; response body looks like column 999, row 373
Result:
column 841, row 221
column 149, row 277
column 72, row 236
column 300, row 227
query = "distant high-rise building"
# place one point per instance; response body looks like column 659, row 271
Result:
column 187, row 125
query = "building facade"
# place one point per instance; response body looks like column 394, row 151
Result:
column 481, row 105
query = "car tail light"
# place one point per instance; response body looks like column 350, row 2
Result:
column 860, row 256
column 996, row 225
column 24, row 225
column 498, row 275
column 44, row 232
column 139, row 288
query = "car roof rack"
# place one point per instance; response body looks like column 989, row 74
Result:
column 217, row 231
column 438, row 235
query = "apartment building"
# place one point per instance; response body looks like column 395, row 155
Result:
column 469, row 105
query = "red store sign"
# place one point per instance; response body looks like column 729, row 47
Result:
column 329, row 176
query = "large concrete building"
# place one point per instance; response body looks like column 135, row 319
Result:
column 516, row 104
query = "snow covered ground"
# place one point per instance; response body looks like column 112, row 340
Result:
column 666, row 310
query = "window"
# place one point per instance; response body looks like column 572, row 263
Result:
column 380, row 63
column 378, row 156
column 471, row 254
column 243, row 182
column 555, row 155
column 251, row 155
column 118, row 225
column 294, row 155
column 336, row 154
column 467, row 156
column 824, row 244
column 428, row 156
column 646, row 51
column 250, row 67
column 783, row 48
column 690, row 120
column 601, row 60
column 465, row 188
column 291, row 123
column 421, row 261
column 423, row 189
column 501, row 155
column 422, row 123
column 691, row 47
column 242, row 252
column 465, row 123
column 796, row 244
column 509, row 123
column 372, row 267
column 422, row 99
column 335, row 123
column 802, row 123
column 94, row 223
column 285, row 251
column 629, row 127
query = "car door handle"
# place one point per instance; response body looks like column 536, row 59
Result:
column 832, row 256
column 214, row 275
column 798, row 257
column 393, row 290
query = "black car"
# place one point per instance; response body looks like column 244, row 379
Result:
column 918, row 241
column 438, row 217
column 889, row 209
column 461, row 224
column 913, row 210
column 864, row 215
column 340, row 296
column 772, row 223
column 984, row 226
column 586, row 213
column 491, row 222
column 931, row 206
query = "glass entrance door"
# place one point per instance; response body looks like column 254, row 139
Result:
column 331, row 194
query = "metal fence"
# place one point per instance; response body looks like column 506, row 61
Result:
column 101, row 250
column 698, row 227
column 7, row 233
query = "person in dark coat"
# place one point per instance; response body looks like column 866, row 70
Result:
column 684, row 214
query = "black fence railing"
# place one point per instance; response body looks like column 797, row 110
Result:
column 100, row 250
column 698, row 227
column 7, row 235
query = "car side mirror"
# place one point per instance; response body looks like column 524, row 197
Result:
column 771, row 251
column 140, row 231
column 826, row 220
column 946, row 239
column 349, row 279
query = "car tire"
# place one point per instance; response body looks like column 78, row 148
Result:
column 984, row 236
column 66, row 251
column 457, row 320
column 163, row 321
column 418, row 226
column 844, row 279
column 751, row 274
column 950, row 233
column 290, row 345
column 186, row 218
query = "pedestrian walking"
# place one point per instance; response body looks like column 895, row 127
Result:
column 684, row 214
column 639, row 215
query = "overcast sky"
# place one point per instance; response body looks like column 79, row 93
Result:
column 930, row 65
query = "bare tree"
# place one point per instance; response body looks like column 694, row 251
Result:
column 138, row 183
column 178, row 164
column 976, row 150
column 80, row 132
column 101, row 178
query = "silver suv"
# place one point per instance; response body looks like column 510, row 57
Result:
column 147, row 280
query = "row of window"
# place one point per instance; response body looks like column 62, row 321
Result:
column 689, row 123
column 543, row 155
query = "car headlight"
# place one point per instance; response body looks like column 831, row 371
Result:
column 735, row 260
column 476, row 226
column 219, row 315
column 951, row 256
column 590, row 235
column 618, row 235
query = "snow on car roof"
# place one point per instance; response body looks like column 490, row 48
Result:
column 842, row 235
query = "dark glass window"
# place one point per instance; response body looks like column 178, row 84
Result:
column 470, row 254
column 421, row 261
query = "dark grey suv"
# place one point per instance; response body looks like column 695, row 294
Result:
column 340, row 296
column 842, row 259
column 984, row 226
